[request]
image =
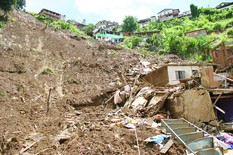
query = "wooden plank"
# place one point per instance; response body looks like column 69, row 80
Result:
column 167, row 146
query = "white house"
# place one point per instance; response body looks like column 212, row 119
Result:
column 174, row 73
column 168, row 14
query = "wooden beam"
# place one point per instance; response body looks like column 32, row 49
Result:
column 167, row 146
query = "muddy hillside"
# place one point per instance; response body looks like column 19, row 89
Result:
column 53, row 92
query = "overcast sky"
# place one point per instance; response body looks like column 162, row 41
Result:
column 113, row 10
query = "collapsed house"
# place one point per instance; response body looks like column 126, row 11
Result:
column 183, row 89
column 193, row 96
column 197, row 93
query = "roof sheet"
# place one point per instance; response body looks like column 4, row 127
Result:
column 109, row 35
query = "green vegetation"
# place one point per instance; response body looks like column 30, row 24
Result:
column 132, row 42
column 8, row 5
column 2, row 94
column 88, row 29
column 59, row 24
column 2, row 23
column 47, row 70
column 129, row 24
column 20, row 4
column 194, row 11
column 172, row 38
column 230, row 32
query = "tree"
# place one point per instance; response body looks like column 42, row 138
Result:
column 6, row 5
column 20, row 4
column 129, row 24
column 88, row 29
column 194, row 11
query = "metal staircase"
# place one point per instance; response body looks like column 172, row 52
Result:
column 196, row 140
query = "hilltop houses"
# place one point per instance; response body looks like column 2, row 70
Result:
column 52, row 14
column 224, row 5
column 167, row 14
column 144, row 22
column 107, row 31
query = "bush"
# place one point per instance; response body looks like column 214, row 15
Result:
column 131, row 42
column 2, row 24
column 229, row 24
column 60, row 24
column 230, row 32
column 218, row 27
column 47, row 70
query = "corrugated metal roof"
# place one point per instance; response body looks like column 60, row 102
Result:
column 114, row 36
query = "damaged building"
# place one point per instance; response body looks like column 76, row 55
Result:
column 201, row 86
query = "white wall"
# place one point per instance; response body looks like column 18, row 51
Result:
column 172, row 72
column 166, row 12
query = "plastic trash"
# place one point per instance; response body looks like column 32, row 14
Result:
column 157, row 139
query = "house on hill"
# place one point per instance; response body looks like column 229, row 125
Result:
column 144, row 22
column 224, row 5
column 168, row 14
column 107, row 31
column 52, row 14
column 108, row 37
column 185, row 14
column 106, row 26
column 79, row 25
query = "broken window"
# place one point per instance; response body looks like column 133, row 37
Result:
column 180, row 75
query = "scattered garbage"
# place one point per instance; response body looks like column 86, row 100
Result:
column 227, row 138
column 157, row 139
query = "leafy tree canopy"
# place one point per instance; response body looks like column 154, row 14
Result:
column 8, row 5
column 129, row 24
column 20, row 4
column 89, row 28
column 194, row 11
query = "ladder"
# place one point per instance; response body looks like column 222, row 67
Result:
column 196, row 140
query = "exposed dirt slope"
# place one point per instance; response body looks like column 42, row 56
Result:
column 34, row 60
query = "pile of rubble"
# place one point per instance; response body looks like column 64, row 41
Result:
column 191, row 91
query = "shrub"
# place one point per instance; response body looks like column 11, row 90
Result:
column 2, row 93
column 2, row 24
column 47, row 70
column 131, row 42
column 229, row 23
column 230, row 32
column 60, row 24
column 218, row 27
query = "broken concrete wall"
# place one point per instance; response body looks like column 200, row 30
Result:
column 193, row 105
column 188, row 72
column 159, row 77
